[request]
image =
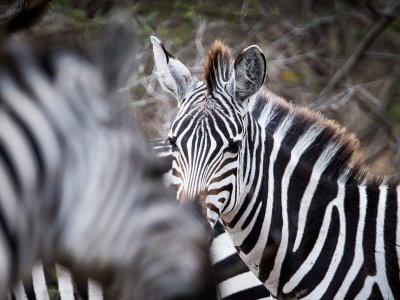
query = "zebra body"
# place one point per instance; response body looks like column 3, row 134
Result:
column 234, row 279
column 77, row 184
column 52, row 281
column 304, row 214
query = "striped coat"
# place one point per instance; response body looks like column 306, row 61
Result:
column 77, row 182
column 305, row 216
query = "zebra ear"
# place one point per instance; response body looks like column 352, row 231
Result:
column 250, row 71
column 117, row 50
column 172, row 74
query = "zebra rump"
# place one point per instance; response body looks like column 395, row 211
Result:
column 77, row 183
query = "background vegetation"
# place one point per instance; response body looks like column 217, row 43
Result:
column 341, row 57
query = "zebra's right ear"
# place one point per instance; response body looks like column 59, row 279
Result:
column 172, row 74
column 250, row 71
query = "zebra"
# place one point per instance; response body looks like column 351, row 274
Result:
column 305, row 215
column 77, row 183
column 234, row 280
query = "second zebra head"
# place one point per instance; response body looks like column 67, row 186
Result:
column 210, row 135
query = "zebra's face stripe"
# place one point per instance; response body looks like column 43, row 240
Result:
column 208, row 132
column 206, row 139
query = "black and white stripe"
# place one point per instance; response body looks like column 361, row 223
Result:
column 234, row 279
column 52, row 281
column 305, row 216
column 77, row 183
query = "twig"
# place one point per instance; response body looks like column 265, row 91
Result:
column 297, row 32
column 293, row 59
column 362, row 47
column 340, row 99
column 382, row 56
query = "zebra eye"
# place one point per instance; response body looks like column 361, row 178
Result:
column 234, row 146
column 172, row 143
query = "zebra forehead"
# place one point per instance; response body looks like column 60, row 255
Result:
column 218, row 66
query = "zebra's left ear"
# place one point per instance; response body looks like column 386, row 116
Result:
column 172, row 74
column 250, row 71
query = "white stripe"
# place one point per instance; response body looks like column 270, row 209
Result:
column 284, row 126
column 367, row 289
column 65, row 285
column 237, row 284
column 10, row 207
column 39, row 282
column 301, row 146
column 380, row 260
column 35, row 120
column 221, row 248
column 318, row 169
column 358, row 259
column 95, row 291
column 267, row 114
column 19, row 292
column 20, row 152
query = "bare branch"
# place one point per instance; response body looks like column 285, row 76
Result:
column 358, row 53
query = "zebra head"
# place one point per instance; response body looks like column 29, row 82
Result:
column 208, row 136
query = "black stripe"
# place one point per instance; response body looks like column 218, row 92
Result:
column 218, row 229
column 16, row 181
column 250, row 195
column 376, row 293
column 321, row 265
column 251, row 240
column 81, row 287
column 356, row 285
column 229, row 267
column 253, row 293
column 32, row 141
column 370, row 230
column 28, row 286
column 352, row 215
column 392, row 264
column 50, row 275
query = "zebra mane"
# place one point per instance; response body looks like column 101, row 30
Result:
column 218, row 65
column 270, row 110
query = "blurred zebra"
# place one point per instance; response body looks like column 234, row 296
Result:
column 234, row 279
column 77, row 183
column 303, row 213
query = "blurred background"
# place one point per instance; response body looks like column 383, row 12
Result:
column 338, row 57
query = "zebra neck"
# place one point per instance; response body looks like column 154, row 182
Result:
column 305, row 207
